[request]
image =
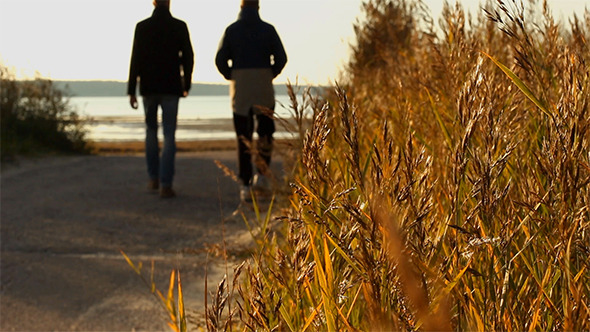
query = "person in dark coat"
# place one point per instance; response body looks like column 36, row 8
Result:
column 162, row 61
column 257, row 56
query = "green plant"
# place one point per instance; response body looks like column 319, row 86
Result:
column 36, row 118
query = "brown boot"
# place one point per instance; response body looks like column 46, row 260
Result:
column 153, row 185
column 167, row 192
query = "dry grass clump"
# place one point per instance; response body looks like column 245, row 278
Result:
column 443, row 186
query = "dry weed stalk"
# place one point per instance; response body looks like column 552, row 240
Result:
column 445, row 185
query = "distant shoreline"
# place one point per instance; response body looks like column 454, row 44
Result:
column 118, row 88
column 120, row 130
column 137, row 147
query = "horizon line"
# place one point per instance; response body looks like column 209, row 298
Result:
column 124, row 81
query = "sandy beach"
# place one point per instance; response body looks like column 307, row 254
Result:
column 64, row 221
column 135, row 147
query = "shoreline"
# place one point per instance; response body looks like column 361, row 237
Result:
column 185, row 146
column 190, row 133
column 136, row 147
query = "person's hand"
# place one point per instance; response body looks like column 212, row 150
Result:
column 185, row 93
column 133, row 101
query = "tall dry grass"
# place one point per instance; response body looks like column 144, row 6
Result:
column 443, row 185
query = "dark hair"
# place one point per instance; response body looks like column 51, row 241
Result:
column 250, row 3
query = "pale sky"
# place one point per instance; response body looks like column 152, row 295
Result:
column 91, row 39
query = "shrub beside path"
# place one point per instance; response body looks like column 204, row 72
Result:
column 64, row 221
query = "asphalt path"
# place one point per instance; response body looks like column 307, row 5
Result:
column 65, row 220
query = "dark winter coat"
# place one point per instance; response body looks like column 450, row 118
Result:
column 250, row 43
column 162, row 50
column 257, row 56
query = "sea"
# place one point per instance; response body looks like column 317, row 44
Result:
column 111, row 119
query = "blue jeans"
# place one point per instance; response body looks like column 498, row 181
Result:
column 160, row 168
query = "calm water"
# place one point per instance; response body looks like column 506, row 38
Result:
column 199, row 118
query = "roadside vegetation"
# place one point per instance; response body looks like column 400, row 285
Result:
column 37, row 118
column 443, row 186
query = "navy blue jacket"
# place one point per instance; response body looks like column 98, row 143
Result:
column 161, row 47
column 250, row 43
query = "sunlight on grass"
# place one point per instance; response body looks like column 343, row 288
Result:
column 442, row 184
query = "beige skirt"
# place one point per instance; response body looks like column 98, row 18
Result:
column 251, row 89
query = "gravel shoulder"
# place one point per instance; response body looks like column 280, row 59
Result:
column 64, row 221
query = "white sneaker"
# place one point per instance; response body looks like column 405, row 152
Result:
column 260, row 183
column 245, row 194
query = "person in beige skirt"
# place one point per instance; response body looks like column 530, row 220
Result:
column 257, row 56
